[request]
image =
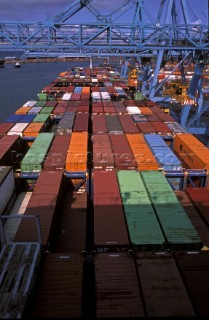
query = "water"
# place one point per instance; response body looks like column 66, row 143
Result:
column 18, row 85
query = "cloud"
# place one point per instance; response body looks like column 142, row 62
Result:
column 39, row 10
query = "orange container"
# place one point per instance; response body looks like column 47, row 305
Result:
column 23, row 110
column 76, row 160
column 85, row 89
column 142, row 154
column 191, row 152
column 145, row 110
column 33, row 129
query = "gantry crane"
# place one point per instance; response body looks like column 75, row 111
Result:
column 138, row 35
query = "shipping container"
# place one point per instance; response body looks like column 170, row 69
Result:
column 194, row 270
column 165, row 157
column 144, row 230
column 5, row 127
column 145, row 127
column 102, row 152
column 65, row 124
column 7, row 187
column 191, row 211
column 193, row 153
column 22, row 110
column 161, row 128
column 17, row 129
column 34, row 158
column 33, row 129
column 14, row 118
column 46, row 203
column 113, row 124
column 10, row 150
column 77, row 155
column 81, row 122
column 117, row 290
column 200, row 198
column 99, row 124
column 128, row 124
column 123, row 155
column 57, row 153
column 110, row 231
column 175, row 127
column 35, row 110
column 164, row 292
column 143, row 156
column 73, row 222
column 178, row 230
column 58, row 291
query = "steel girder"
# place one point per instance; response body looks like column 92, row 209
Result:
column 106, row 38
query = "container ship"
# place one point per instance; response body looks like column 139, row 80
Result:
column 104, row 202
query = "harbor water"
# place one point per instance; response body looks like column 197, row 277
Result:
column 18, row 85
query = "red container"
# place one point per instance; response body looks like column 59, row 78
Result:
column 110, row 232
column 81, row 122
column 128, row 124
column 99, row 124
column 73, row 222
column 200, row 198
column 161, row 128
column 117, row 289
column 194, row 216
column 163, row 289
column 58, row 293
column 152, row 117
column 123, row 156
column 5, row 127
column 145, row 127
column 102, row 152
column 57, row 153
column 10, row 147
column 194, row 269
column 44, row 202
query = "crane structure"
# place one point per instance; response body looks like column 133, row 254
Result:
column 127, row 31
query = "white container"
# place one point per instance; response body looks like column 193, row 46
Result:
column 133, row 110
column 67, row 96
column 17, row 129
column 7, row 186
column 30, row 103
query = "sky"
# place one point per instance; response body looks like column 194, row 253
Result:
column 40, row 10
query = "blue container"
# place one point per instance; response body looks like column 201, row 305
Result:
column 27, row 118
column 78, row 90
column 14, row 118
column 163, row 154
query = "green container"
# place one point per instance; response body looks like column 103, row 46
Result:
column 177, row 227
column 35, row 156
column 143, row 227
column 42, row 117
column 47, row 110
column 42, row 96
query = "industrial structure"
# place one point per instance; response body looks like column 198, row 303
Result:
column 152, row 42
column 103, row 195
